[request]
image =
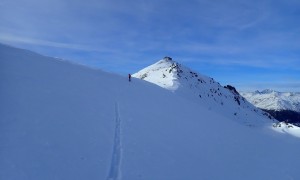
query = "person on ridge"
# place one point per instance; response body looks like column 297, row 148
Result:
column 129, row 77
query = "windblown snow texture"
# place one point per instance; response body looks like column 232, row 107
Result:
column 60, row 121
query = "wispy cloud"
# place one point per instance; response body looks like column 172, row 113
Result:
column 259, row 63
column 31, row 41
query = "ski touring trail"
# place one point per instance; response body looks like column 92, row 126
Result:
column 115, row 167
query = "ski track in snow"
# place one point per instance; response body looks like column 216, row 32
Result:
column 115, row 167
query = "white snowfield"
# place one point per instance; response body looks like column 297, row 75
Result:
column 274, row 100
column 64, row 121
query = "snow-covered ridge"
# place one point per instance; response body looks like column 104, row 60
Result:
column 274, row 100
column 200, row 89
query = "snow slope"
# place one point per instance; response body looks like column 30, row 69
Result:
column 274, row 100
column 64, row 121
column 202, row 90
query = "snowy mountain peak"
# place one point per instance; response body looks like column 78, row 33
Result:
column 170, row 74
column 163, row 73
column 198, row 88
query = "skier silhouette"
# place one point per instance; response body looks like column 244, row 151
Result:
column 129, row 77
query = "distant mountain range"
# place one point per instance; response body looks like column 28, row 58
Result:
column 284, row 106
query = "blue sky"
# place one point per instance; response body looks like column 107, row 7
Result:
column 249, row 44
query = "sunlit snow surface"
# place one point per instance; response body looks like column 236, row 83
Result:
column 64, row 121
column 287, row 128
